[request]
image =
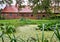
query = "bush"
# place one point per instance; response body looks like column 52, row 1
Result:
column 24, row 21
column 55, row 17
column 8, row 30
column 2, row 18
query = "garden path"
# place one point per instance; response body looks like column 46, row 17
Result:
column 26, row 31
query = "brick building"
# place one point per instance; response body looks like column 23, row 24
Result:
column 11, row 12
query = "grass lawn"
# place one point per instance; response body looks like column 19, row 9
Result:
column 17, row 22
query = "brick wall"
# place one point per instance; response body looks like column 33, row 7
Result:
column 16, row 15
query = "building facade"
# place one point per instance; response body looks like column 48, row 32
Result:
column 12, row 12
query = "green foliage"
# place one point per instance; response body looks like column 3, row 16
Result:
column 40, row 25
column 57, row 33
column 2, row 30
column 46, row 40
column 44, row 5
column 49, row 26
column 10, row 29
column 33, row 1
column 55, row 17
column 19, row 22
column 13, row 40
column 43, row 26
column 7, row 1
column 2, row 18
column 24, row 21
column 6, row 29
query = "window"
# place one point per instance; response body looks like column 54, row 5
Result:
column 17, row 14
column 22, row 14
column 38, row 17
column 27, row 15
column 10, row 14
column 43, row 15
column 31, row 15
column 4, row 14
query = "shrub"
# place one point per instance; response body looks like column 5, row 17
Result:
column 55, row 17
column 24, row 21
column 57, row 33
column 40, row 26
column 7, row 29
column 2, row 18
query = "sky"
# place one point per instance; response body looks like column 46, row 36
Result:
column 14, row 2
column 26, row 2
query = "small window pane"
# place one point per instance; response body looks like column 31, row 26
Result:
column 38, row 17
column 22, row 14
column 10, row 14
column 27, row 15
column 43, row 15
column 31, row 15
column 4, row 14
column 17, row 14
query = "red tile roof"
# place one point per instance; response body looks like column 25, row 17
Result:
column 10, row 9
column 15, row 9
column 26, row 9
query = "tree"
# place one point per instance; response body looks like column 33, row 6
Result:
column 19, row 2
column 46, row 6
column 41, row 5
column 57, row 4
column 3, row 2
column 36, row 5
column 6, row 2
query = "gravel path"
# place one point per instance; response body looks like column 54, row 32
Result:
column 27, row 28
column 26, row 31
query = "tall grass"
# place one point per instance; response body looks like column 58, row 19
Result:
column 57, row 33
column 43, row 33
column 7, row 30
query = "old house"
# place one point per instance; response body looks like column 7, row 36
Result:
column 12, row 12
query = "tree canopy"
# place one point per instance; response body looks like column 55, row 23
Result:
column 6, row 1
column 41, row 5
column 38, row 5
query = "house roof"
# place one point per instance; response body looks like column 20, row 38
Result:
column 15, row 9
column 10, row 9
column 26, row 9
